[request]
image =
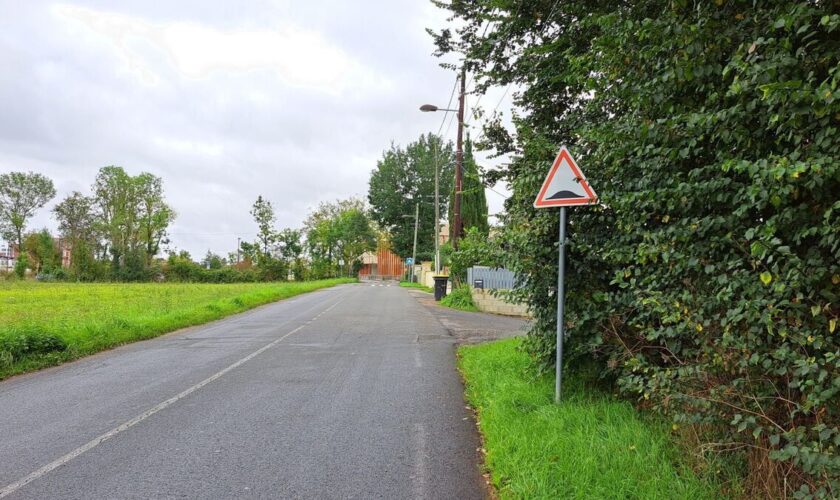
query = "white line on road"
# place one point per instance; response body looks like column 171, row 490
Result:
column 421, row 440
column 8, row 490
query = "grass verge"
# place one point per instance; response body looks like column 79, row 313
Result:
column 589, row 446
column 45, row 324
column 460, row 299
column 408, row 284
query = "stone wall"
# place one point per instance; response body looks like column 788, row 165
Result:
column 485, row 301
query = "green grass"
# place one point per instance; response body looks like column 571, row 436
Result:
column 408, row 284
column 461, row 299
column 44, row 324
column 590, row 446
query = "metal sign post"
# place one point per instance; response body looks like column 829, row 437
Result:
column 561, row 295
column 564, row 186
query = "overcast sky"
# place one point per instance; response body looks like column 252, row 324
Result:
column 225, row 100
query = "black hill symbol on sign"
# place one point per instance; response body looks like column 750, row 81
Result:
column 564, row 195
column 565, row 184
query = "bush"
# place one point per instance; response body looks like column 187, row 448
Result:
column 460, row 298
column 474, row 249
column 21, row 264
column 28, row 341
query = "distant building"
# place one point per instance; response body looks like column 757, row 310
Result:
column 384, row 264
column 64, row 250
column 8, row 256
column 443, row 236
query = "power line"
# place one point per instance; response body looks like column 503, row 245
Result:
column 448, row 106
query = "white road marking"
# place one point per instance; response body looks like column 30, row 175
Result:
column 420, row 462
column 8, row 490
column 417, row 361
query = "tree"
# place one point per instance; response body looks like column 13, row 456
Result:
column 290, row 249
column 337, row 234
column 78, row 224
column 263, row 214
column 403, row 178
column 42, row 253
column 473, row 199
column 134, row 218
column 213, row 261
column 705, row 282
column 21, row 194
column 114, row 195
column 154, row 215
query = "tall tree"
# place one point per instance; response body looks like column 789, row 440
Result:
column 42, row 252
column 154, row 214
column 117, row 204
column 403, row 178
column 21, row 194
column 289, row 245
column 78, row 224
column 134, row 217
column 337, row 234
column 263, row 214
column 473, row 199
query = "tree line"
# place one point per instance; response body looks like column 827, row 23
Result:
column 114, row 233
column 120, row 230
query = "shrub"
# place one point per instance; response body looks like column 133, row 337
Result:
column 460, row 298
column 21, row 264
column 28, row 341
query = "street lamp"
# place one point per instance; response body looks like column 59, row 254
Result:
column 426, row 108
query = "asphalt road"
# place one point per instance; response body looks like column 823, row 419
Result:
column 349, row 392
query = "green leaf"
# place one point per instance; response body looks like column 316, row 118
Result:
column 766, row 277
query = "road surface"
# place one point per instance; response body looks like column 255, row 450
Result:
column 348, row 392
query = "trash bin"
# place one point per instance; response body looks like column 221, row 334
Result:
column 440, row 287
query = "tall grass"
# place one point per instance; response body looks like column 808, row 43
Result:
column 43, row 324
column 589, row 446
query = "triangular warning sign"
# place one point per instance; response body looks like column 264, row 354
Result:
column 565, row 184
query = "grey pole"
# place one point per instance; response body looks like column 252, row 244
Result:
column 437, row 207
column 414, row 250
column 558, row 381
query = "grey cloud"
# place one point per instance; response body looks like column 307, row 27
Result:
column 73, row 101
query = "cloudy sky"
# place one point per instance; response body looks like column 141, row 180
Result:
column 225, row 100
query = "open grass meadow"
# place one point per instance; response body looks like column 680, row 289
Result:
column 589, row 446
column 43, row 324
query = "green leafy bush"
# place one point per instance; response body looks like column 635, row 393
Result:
column 707, row 279
column 460, row 298
column 474, row 249
column 23, row 341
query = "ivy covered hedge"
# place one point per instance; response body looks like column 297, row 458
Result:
column 707, row 281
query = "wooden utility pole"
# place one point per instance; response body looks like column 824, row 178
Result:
column 458, row 230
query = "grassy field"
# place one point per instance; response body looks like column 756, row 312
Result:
column 43, row 324
column 589, row 446
column 408, row 284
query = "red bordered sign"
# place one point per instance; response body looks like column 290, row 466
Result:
column 565, row 184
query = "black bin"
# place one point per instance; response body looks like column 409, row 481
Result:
column 440, row 287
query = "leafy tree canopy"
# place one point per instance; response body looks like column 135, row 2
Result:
column 21, row 194
column 403, row 178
